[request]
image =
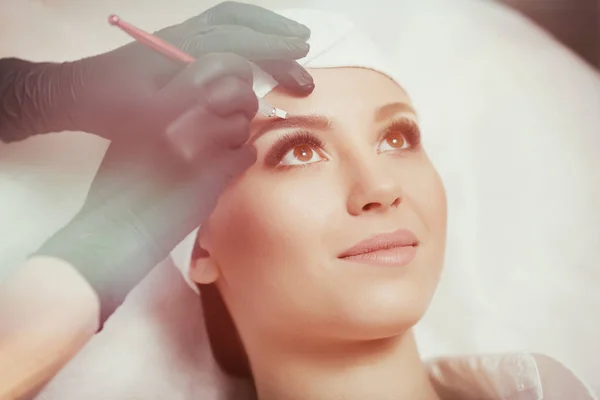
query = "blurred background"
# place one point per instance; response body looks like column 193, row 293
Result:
column 575, row 23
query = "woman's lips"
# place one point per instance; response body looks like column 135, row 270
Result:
column 397, row 249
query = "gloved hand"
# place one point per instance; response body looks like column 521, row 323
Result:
column 149, row 194
column 101, row 93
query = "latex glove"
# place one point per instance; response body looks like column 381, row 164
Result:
column 101, row 93
column 149, row 194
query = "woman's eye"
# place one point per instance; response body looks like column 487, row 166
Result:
column 302, row 154
column 393, row 141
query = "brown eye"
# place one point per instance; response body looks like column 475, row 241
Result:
column 395, row 140
column 303, row 153
column 296, row 149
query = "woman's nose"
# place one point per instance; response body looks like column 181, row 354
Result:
column 374, row 189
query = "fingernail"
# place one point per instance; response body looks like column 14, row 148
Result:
column 303, row 78
column 308, row 88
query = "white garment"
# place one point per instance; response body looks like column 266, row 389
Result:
column 489, row 377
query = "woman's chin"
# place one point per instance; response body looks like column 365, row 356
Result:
column 380, row 321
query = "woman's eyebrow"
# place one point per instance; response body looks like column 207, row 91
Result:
column 387, row 111
column 294, row 121
column 321, row 122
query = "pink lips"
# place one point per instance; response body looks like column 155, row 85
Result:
column 396, row 249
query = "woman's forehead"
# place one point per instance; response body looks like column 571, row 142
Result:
column 340, row 90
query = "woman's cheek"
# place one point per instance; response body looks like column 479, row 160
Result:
column 274, row 209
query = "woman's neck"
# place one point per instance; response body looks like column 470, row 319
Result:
column 389, row 369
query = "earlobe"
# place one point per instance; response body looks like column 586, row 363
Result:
column 203, row 269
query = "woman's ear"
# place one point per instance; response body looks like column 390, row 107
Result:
column 203, row 269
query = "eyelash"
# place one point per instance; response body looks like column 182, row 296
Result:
column 408, row 128
column 288, row 142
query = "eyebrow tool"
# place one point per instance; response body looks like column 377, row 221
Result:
column 175, row 54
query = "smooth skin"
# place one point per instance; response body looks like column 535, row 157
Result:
column 273, row 240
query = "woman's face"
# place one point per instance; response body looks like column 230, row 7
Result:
column 345, row 166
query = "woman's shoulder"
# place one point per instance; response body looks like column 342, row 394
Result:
column 523, row 376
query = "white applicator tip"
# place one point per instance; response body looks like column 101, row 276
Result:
column 270, row 111
column 280, row 113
